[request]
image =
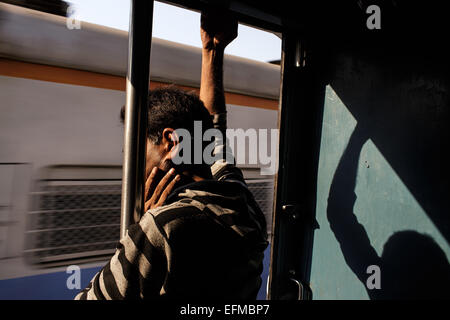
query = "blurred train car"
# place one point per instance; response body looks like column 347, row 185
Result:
column 61, row 90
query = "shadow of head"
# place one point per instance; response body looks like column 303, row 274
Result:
column 413, row 266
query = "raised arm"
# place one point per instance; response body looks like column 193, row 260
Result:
column 217, row 31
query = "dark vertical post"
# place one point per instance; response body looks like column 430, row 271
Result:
column 300, row 117
column 139, row 44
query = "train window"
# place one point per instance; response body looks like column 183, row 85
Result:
column 60, row 115
column 75, row 214
column 252, row 43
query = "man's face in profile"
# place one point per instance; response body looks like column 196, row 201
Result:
column 159, row 154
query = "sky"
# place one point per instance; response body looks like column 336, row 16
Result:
column 179, row 25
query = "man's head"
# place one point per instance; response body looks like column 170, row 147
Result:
column 169, row 109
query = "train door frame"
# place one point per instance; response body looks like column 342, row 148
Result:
column 299, row 107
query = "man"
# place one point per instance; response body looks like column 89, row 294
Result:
column 203, row 236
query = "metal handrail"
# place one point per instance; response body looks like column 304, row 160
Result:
column 134, row 149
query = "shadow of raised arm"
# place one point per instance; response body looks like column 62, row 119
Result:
column 351, row 235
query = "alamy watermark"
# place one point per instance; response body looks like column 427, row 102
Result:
column 250, row 146
column 374, row 20
column 374, row 280
column 74, row 280
column 71, row 22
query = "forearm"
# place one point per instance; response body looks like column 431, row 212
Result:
column 211, row 86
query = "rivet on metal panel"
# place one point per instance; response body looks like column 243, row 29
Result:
column 291, row 210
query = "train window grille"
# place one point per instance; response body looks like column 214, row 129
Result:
column 262, row 190
column 74, row 219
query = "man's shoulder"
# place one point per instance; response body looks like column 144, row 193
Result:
column 223, row 170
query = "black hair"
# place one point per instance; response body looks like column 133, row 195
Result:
column 170, row 107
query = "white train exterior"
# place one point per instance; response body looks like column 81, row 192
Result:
column 61, row 141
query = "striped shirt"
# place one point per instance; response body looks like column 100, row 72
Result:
column 206, row 242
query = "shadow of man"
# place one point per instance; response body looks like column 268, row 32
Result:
column 412, row 265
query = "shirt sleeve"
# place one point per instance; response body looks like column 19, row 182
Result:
column 136, row 271
column 224, row 169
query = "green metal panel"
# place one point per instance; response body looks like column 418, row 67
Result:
column 382, row 205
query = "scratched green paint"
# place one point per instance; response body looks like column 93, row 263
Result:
column 383, row 206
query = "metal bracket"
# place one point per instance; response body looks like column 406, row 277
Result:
column 303, row 291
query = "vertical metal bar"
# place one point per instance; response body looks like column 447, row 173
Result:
column 300, row 116
column 289, row 60
column 134, row 149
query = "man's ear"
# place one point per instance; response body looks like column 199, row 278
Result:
column 170, row 140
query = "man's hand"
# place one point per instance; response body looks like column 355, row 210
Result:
column 158, row 187
column 217, row 30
